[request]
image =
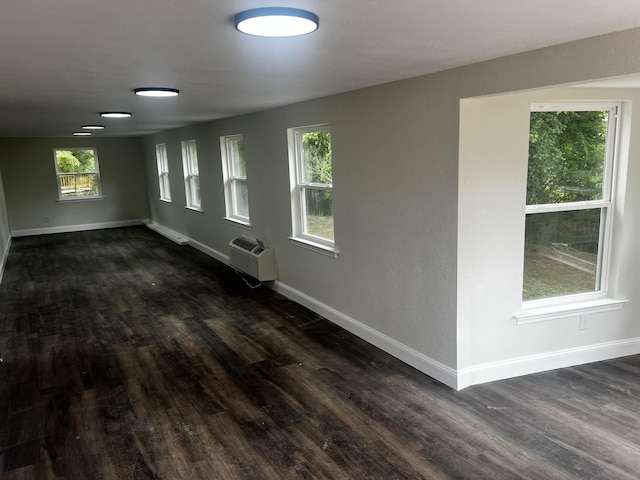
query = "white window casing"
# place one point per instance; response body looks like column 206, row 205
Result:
column 163, row 172
column 77, row 175
column 235, row 179
column 314, row 232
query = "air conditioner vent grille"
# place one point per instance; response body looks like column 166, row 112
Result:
column 244, row 243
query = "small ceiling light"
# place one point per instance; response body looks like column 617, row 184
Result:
column 82, row 134
column 157, row 92
column 93, row 127
column 276, row 22
column 115, row 114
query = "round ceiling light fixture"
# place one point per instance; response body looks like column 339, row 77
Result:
column 82, row 134
column 276, row 22
column 157, row 92
column 93, row 127
column 115, row 114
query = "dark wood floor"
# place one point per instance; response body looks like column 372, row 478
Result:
column 129, row 357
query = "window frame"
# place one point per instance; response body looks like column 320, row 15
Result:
column 299, row 187
column 191, row 172
column 162, row 162
column 76, row 198
column 606, row 205
column 230, row 179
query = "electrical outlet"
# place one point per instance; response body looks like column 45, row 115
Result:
column 584, row 322
column 47, row 219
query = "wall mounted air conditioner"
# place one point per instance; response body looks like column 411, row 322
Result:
column 253, row 258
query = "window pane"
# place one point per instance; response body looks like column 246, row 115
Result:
column 195, row 191
column 77, row 160
column 566, row 156
column 318, row 213
column 165, row 191
column 193, row 158
column 316, row 157
column 561, row 253
column 79, row 185
column 235, row 148
column 240, row 198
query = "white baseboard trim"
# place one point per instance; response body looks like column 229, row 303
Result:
column 168, row 233
column 77, row 228
column 516, row 367
column 221, row 257
column 3, row 261
column 417, row 360
column 456, row 379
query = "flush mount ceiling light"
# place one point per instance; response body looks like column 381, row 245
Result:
column 82, row 134
column 93, row 127
column 115, row 114
column 157, row 92
column 276, row 22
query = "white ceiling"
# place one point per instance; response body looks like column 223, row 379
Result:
column 63, row 61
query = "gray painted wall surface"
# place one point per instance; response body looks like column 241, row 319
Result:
column 31, row 192
column 396, row 174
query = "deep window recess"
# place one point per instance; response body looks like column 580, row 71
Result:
column 572, row 152
column 312, row 185
column 163, row 172
column 191, row 174
column 78, row 173
column 235, row 178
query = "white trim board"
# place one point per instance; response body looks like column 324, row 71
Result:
column 456, row 379
column 77, row 228
column 221, row 257
column 417, row 360
column 168, row 233
column 421, row 362
column 516, row 367
column 3, row 261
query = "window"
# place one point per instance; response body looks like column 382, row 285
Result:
column 235, row 178
column 163, row 172
column 569, row 201
column 312, row 185
column 78, row 173
column 191, row 174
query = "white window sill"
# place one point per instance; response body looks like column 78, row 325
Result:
column 555, row 312
column 80, row 199
column 195, row 209
column 241, row 223
column 314, row 247
column 166, row 200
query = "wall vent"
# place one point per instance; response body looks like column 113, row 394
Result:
column 253, row 258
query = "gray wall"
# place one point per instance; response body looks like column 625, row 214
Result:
column 398, row 279
column 31, row 193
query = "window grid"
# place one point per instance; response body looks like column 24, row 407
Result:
column 191, row 174
column 163, row 172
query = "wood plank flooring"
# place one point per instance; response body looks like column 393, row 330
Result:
column 129, row 357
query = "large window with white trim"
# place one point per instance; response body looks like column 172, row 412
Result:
column 311, row 174
column 191, row 174
column 163, row 172
column 234, row 170
column 78, row 173
column 570, row 195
